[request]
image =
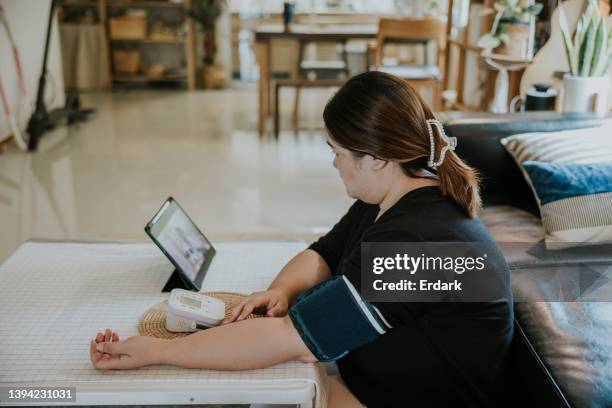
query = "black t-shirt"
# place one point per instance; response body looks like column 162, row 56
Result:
column 436, row 354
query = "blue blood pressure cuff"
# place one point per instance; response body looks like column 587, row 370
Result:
column 333, row 318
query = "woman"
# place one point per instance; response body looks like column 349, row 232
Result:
column 409, row 185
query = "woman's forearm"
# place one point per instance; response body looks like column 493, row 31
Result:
column 248, row 344
column 302, row 272
column 252, row 343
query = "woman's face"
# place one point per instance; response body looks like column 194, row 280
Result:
column 361, row 176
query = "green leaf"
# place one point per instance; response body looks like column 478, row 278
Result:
column 586, row 49
column 604, row 71
column 504, row 38
column 583, row 23
column 606, row 64
column 488, row 42
column 534, row 9
column 600, row 47
column 567, row 44
column 206, row 12
column 512, row 3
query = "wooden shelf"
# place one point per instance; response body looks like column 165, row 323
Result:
column 108, row 7
column 145, row 4
column 148, row 41
column 459, row 43
column 78, row 3
column 145, row 78
column 117, row 4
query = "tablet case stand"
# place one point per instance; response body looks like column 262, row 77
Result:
column 177, row 281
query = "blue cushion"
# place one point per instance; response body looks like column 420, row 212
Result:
column 556, row 181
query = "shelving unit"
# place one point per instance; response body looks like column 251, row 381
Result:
column 182, row 71
column 145, row 4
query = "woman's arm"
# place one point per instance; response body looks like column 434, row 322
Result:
column 302, row 272
column 312, row 266
column 248, row 344
column 305, row 270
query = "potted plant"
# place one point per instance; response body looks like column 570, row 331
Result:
column 586, row 84
column 510, row 32
column 206, row 13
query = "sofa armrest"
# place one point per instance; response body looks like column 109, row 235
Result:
column 529, row 379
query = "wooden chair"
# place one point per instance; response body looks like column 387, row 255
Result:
column 414, row 31
column 309, row 74
column 297, row 84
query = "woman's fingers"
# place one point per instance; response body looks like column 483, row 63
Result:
column 94, row 355
column 120, row 347
column 246, row 310
column 273, row 304
column 97, row 349
column 108, row 335
column 250, row 303
column 133, row 352
column 235, row 312
column 109, row 362
column 278, row 310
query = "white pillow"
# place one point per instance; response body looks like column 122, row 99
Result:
column 575, row 219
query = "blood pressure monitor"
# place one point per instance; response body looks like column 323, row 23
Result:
column 191, row 311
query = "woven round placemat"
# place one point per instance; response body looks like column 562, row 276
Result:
column 152, row 322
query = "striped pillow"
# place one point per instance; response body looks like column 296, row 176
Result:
column 570, row 173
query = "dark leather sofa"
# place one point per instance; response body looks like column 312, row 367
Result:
column 562, row 351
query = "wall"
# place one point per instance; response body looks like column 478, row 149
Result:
column 28, row 21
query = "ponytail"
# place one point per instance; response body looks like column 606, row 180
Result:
column 460, row 182
column 457, row 180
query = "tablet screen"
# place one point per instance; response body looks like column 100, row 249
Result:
column 183, row 243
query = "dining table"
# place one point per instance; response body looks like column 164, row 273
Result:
column 305, row 33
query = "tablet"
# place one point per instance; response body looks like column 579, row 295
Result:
column 182, row 242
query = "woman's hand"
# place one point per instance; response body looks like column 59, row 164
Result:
column 274, row 301
column 108, row 352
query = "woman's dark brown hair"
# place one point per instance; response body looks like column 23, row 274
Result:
column 382, row 115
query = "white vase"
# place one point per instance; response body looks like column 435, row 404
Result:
column 585, row 94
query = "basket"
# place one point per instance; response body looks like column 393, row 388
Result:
column 128, row 28
column 126, row 61
column 155, row 71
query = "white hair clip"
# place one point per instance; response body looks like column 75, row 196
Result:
column 451, row 143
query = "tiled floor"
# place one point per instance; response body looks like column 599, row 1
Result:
column 103, row 179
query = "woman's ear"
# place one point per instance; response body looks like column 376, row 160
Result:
column 377, row 164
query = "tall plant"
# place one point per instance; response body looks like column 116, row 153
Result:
column 206, row 13
column 590, row 53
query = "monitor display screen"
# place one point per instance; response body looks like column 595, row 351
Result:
column 181, row 240
column 191, row 302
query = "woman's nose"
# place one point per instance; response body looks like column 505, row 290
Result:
column 334, row 162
